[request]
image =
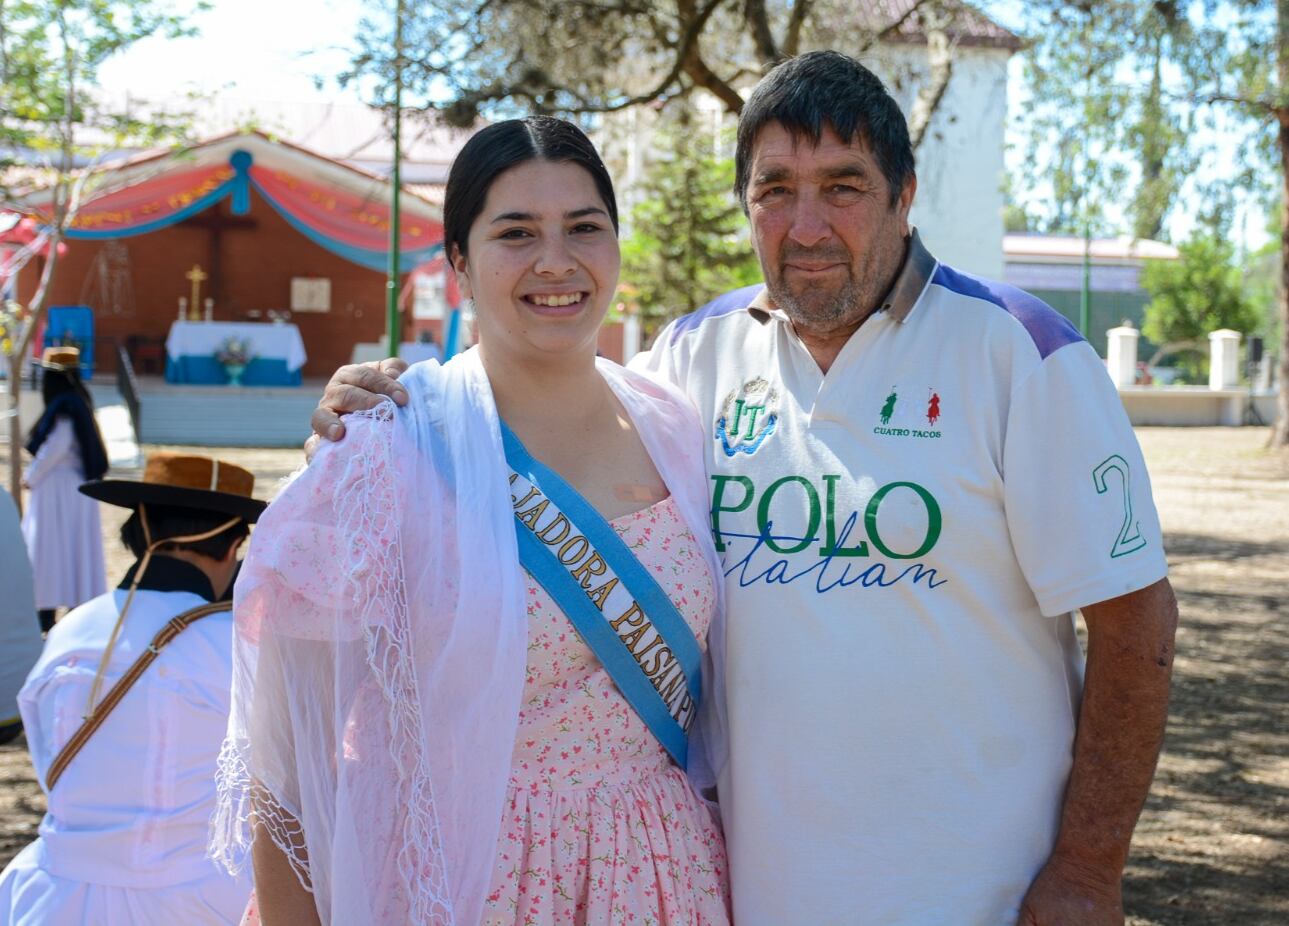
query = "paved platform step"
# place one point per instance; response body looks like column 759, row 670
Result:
column 224, row 416
column 203, row 416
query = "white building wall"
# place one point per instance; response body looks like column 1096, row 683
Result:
column 959, row 205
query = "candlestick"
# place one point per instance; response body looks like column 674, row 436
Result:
column 183, row 308
column 210, row 309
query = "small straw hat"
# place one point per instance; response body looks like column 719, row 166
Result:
column 61, row 358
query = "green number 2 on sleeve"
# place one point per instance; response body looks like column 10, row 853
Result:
column 1129, row 538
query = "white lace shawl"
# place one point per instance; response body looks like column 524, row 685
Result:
column 380, row 646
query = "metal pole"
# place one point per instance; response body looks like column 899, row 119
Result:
column 1085, row 294
column 391, row 283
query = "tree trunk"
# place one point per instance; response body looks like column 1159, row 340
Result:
column 1280, row 433
column 706, row 78
column 15, row 430
column 1149, row 207
column 939, row 51
column 19, row 351
column 1173, row 347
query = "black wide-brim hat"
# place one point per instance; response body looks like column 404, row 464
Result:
column 184, row 481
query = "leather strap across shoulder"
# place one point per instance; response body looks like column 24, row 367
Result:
column 175, row 626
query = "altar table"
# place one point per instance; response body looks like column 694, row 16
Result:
column 277, row 353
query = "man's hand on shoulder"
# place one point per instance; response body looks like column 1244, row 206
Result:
column 1066, row 893
column 354, row 388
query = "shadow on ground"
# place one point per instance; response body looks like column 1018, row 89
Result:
column 1212, row 848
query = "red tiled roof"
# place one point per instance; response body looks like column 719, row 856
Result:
column 968, row 26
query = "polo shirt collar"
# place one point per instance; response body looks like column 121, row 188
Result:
column 911, row 282
column 916, row 272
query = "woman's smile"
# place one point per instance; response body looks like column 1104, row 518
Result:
column 542, row 263
column 557, row 305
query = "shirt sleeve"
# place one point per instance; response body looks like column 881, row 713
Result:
column 1079, row 508
column 662, row 360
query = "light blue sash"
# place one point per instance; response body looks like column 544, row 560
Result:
column 611, row 600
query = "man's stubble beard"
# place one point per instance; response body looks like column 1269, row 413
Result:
column 822, row 312
column 818, row 310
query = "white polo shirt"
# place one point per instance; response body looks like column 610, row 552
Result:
column 904, row 540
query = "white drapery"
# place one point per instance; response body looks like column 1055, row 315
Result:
column 380, row 650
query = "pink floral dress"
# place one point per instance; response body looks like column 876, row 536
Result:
column 600, row 826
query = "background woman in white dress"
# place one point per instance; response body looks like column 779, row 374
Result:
column 61, row 526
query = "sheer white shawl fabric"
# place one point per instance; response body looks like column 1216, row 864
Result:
column 380, row 647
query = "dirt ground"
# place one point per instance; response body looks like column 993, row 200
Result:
column 1212, row 848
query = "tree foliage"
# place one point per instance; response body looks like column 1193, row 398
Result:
column 688, row 241
column 1121, row 93
column 465, row 58
column 1248, row 74
column 1108, row 112
column 1262, row 282
column 1199, row 293
column 51, row 119
column 50, row 55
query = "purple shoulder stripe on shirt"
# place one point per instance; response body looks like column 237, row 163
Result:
column 1047, row 328
column 731, row 302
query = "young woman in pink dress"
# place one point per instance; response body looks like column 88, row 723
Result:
column 421, row 732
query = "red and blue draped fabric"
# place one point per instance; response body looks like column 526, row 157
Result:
column 345, row 223
column 155, row 204
column 451, row 295
column 438, row 266
column 24, row 232
column 352, row 226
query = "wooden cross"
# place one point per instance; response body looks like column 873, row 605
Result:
column 216, row 221
column 196, row 275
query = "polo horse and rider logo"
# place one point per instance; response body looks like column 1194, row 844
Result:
column 888, row 409
column 748, row 417
column 932, row 407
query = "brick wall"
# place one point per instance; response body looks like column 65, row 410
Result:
column 252, row 271
column 255, row 270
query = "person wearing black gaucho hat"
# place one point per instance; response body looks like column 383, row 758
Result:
column 131, row 788
column 61, row 526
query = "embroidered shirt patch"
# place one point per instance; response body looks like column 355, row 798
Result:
column 748, row 417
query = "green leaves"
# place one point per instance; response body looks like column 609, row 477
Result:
column 689, row 240
column 1105, row 124
column 50, row 55
column 1198, row 294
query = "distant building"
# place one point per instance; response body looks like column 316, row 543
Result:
column 343, row 130
column 1051, row 267
column 260, row 227
column 288, row 220
column 959, row 204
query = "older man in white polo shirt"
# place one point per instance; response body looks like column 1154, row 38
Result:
column 917, row 476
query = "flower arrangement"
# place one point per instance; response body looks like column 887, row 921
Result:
column 234, row 352
column 11, row 319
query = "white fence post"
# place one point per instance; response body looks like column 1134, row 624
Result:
column 1224, row 359
column 630, row 335
column 1121, row 354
